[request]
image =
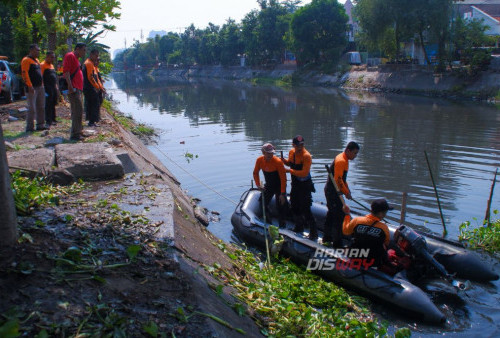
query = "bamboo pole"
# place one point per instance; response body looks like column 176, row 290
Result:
column 487, row 216
column 437, row 195
column 403, row 208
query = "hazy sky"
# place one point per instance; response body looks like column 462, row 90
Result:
column 173, row 15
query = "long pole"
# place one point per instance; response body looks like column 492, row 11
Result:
column 487, row 216
column 265, row 232
column 335, row 184
column 403, row 208
column 436, row 192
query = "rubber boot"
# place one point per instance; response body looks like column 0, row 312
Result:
column 313, row 231
column 299, row 224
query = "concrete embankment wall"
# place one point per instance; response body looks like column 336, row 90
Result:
column 410, row 79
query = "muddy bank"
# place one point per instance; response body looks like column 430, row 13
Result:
column 125, row 256
column 405, row 79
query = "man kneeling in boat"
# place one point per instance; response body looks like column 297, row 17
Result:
column 275, row 176
column 369, row 232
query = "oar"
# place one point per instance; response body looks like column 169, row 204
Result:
column 487, row 216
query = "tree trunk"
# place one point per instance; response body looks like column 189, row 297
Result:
column 421, row 35
column 8, row 221
column 49, row 17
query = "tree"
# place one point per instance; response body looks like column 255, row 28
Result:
column 319, row 31
column 57, row 20
column 8, row 222
column 230, row 42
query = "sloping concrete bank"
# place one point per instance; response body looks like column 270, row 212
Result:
column 422, row 80
column 405, row 79
column 135, row 200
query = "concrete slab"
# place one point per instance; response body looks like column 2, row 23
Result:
column 128, row 165
column 41, row 159
column 143, row 194
column 54, row 141
column 89, row 161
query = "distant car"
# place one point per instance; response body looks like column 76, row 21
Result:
column 11, row 83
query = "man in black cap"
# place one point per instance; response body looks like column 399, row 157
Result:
column 300, row 160
column 369, row 232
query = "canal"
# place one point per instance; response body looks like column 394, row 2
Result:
column 211, row 133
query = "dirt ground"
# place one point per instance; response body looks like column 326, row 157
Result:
column 87, row 267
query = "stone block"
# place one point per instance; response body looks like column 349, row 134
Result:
column 89, row 161
column 41, row 159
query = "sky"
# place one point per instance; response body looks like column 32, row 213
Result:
column 172, row 15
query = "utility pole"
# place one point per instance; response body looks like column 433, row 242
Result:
column 8, row 221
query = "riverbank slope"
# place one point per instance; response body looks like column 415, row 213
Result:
column 117, row 256
column 405, row 79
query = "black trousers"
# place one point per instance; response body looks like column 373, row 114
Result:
column 334, row 217
column 301, row 201
column 269, row 192
column 50, row 103
column 91, row 105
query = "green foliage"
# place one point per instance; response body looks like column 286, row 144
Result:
column 290, row 301
column 485, row 237
column 319, row 31
column 32, row 193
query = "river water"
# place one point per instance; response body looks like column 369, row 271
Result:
column 211, row 133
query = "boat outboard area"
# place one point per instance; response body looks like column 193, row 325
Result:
column 444, row 266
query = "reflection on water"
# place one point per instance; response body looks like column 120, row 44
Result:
column 225, row 124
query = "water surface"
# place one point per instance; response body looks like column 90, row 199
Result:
column 212, row 131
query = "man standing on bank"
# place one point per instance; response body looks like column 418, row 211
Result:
column 32, row 76
column 336, row 213
column 91, row 88
column 300, row 160
column 49, row 76
column 74, row 78
column 275, row 176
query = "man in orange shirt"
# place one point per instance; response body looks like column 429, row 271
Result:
column 369, row 232
column 300, row 160
column 32, row 76
column 91, row 88
column 336, row 213
column 49, row 76
column 275, row 176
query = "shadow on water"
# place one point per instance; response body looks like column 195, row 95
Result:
column 225, row 123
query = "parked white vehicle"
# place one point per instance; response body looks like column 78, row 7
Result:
column 11, row 85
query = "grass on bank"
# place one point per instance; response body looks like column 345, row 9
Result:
column 288, row 300
column 128, row 122
column 485, row 237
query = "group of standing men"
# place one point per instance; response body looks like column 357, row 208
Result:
column 300, row 160
column 366, row 232
column 41, row 81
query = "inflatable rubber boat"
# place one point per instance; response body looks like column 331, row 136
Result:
column 338, row 265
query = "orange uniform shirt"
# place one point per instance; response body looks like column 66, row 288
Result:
column 340, row 172
column 348, row 228
column 274, row 164
column 303, row 158
column 91, row 74
column 31, row 72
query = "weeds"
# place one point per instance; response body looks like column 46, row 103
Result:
column 485, row 237
column 290, row 301
column 30, row 194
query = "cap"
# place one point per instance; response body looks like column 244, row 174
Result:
column 298, row 140
column 380, row 205
column 268, row 148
